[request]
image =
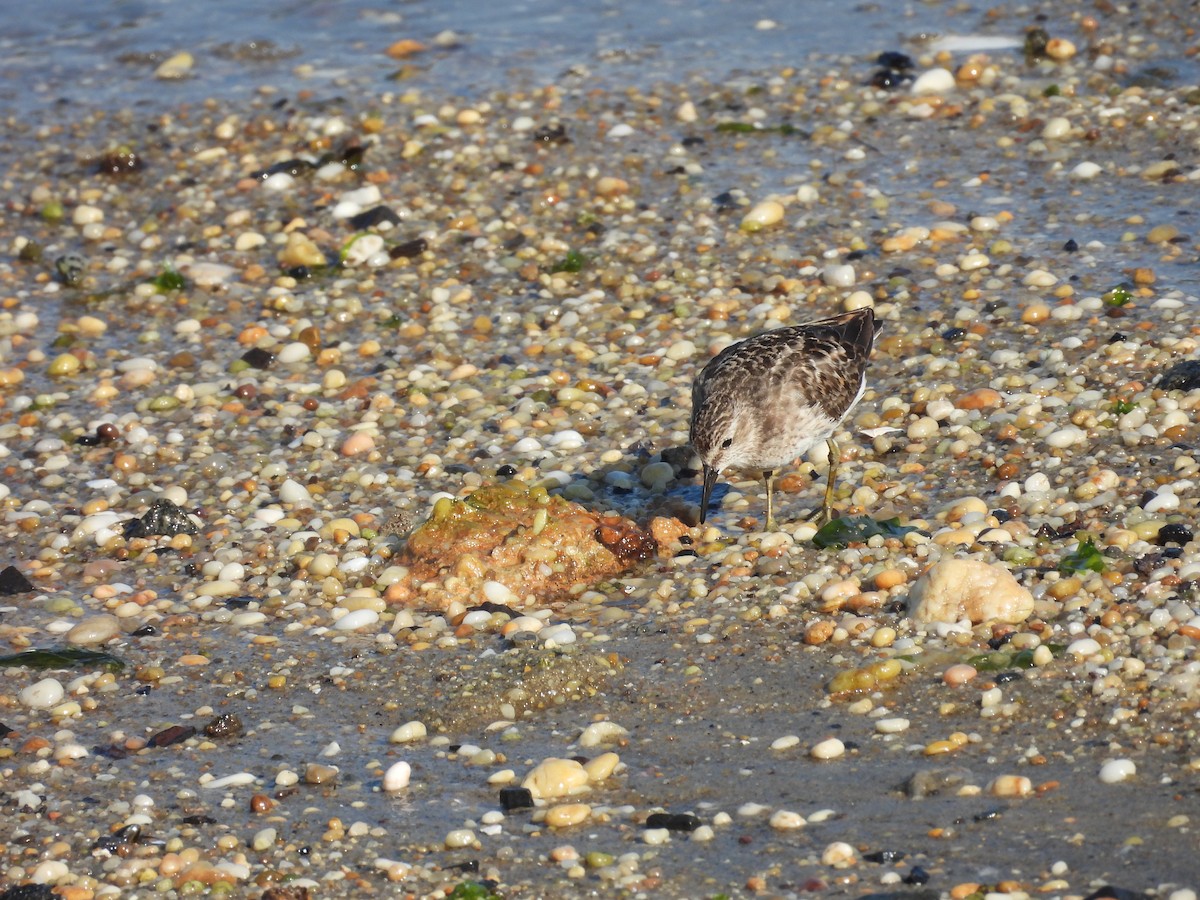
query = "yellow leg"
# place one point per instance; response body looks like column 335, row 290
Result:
column 825, row 514
column 769, row 478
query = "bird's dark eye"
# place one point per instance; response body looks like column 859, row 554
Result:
column 727, row 443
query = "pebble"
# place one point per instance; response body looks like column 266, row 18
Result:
column 891, row 725
column 840, row 855
column 1117, row 770
column 566, row 815
column 175, row 67
column 397, row 776
column 1085, row 171
column 1011, row 786
column 97, row 629
column 786, row 742
column 359, row 618
column 407, row 733
column 554, row 777
column 830, row 748
column 786, row 820
column 599, row 733
column 42, row 694
column 934, row 81
column 763, row 215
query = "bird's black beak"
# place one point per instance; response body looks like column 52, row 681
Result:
column 710, row 478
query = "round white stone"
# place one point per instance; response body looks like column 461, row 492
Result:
column 42, row 694
column 397, row 776
column 1117, row 770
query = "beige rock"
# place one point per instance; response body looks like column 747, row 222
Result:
column 555, row 777
column 957, row 589
column 301, row 251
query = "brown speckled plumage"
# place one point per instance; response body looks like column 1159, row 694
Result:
column 764, row 401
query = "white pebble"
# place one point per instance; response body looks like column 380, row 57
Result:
column 934, row 81
column 495, row 592
column 355, row 619
column 892, row 725
column 1085, row 171
column 397, row 776
column 830, row 748
column 292, row 491
column 294, row 352
column 786, row 820
column 839, row 275
column 1067, row 436
column 235, row 780
column 87, row 215
column 1084, row 647
column 408, row 732
column 656, row 836
column 1056, row 128
column 601, row 733
column 786, row 742
column 1117, row 770
column 42, row 694
column 560, row 634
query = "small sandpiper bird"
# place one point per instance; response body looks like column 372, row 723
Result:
column 764, row 401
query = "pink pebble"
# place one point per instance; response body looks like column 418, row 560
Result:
column 359, row 442
column 960, row 673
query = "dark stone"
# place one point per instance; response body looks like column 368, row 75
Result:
column 515, row 798
column 225, row 726
column 29, row 892
column 1107, row 892
column 176, row 734
column 13, row 582
column 673, row 821
column 258, row 358
column 893, row 59
column 286, row 892
column 1071, row 246
column 506, row 471
column 374, row 217
column 1173, row 533
column 884, row 856
column 145, row 631
column 5, row 731
column 1184, row 376
column 889, row 79
column 916, row 875
column 164, row 518
column 552, row 134
column 409, row 249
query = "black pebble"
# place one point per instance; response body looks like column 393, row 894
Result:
column 893, row 59
column 258, row 358
column 145, row 631
column 515, row 798
column 673, row 821
column 409, row 249
column 1108, row 892
column 29, row 892
column 374, row 217
column 954, row 334
column 1117, row 337
column 506, row 471
column 1071, row 246
column 1184, row 376
column 300, row 273
column 884, row 856
column 13, row 582
column 916, row 875
column 1173, row 533
column 1007, row 676
column 163, row 517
